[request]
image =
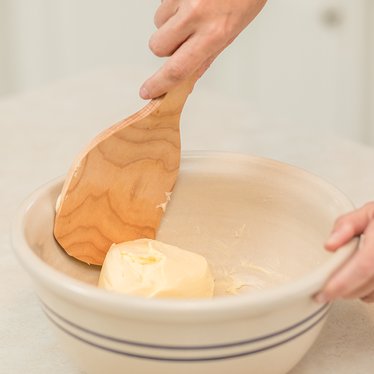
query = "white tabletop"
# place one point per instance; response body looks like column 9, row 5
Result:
column 40, row 133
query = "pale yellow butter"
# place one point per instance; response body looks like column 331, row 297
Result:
column 150, row 268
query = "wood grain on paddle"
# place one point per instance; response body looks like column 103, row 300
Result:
column 116, row 188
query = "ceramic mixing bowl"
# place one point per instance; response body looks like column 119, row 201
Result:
column 261, row 225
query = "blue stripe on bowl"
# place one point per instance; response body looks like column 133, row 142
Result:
column 319, row 311
column 189, row 359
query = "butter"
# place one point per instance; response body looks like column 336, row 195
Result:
column 165, row 203
column 150, row 268
column 58, row 203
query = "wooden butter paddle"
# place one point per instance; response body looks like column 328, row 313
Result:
column 117, row 187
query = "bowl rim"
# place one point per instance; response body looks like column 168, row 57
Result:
column 221, row 307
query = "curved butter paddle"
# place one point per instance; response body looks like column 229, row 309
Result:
column 118, row 187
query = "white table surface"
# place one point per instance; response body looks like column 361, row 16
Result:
column 42, row 130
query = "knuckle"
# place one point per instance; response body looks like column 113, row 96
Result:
column 176, row 72
column 185, row 20
column 218, row 35
column 222, row 33
column 196, row 9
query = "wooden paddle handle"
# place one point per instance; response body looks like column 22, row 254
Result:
column 177, row 96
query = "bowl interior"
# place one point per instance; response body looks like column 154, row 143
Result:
column 259, row 223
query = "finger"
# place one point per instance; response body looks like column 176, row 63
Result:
column 184, row 62
column 166, row 40
column 166, row 10
column 206, row 65
column 368, row 298
column 350, row 225
column 355, row 273
column 361, row 292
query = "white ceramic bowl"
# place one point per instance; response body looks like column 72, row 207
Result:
column 244, row 214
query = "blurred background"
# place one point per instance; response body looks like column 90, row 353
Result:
column 303, row 62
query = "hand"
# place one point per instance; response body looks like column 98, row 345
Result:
column 356, row 278
column 193, row 33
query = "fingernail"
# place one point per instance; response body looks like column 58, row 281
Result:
column 334, row 237
column 144, row 93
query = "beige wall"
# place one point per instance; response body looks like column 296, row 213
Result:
column 5, row 61
column 295, row 64
column 370, row 69
column 51, row 39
